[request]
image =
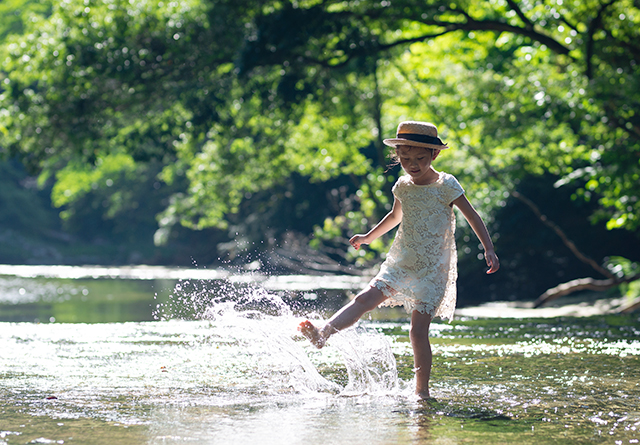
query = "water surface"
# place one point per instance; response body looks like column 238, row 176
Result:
column 224, row 365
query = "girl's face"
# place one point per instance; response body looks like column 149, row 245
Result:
column 416, row 161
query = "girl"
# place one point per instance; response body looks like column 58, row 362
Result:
column 420, row 271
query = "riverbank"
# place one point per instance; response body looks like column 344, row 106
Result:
column 585, row 304
column 525, row 309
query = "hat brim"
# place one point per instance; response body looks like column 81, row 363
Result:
column 399, row 141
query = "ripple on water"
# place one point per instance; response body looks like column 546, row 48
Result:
column 242, row 373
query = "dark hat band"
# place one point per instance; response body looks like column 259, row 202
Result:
column 420, row 138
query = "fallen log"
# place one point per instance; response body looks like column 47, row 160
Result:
column 628, row 308
column 581, row 284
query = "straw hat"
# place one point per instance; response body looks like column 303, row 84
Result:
column 417, row 134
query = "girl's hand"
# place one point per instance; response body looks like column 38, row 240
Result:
column 357, row 240
column 492, row 261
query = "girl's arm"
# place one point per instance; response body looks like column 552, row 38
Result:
column 392, row 219
column 478, row 226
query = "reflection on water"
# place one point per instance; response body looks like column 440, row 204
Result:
column 225, row 365
column 106, row 299
column 79, row 301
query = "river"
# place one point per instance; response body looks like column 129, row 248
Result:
column 98, row 355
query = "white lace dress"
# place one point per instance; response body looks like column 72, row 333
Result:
column 421, row 269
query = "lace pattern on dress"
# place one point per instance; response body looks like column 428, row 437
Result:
column 420, row 271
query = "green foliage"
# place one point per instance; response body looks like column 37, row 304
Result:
column 530, row 100
column 229, row 101
column 15, row 14
column 84, row 84
column 20, row 207
column 75, row 181
column 623, row 267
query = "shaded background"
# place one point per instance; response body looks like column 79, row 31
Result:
column 222, row 134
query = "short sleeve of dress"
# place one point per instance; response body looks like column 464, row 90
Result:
column 395, row 187
column 401, row 183
column 452, row 188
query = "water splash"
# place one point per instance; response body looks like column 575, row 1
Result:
column 261, row 327
column 370, row 363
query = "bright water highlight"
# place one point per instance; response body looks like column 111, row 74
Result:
column 224, row 364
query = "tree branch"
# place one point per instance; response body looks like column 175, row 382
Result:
column 518, row 11
column 484, row 25
column 377, row 117
column 570, row 25
column 581, row 284
column 630, row 307
column 565, row 239
column 595, row 24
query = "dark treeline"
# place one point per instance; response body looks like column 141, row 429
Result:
column 211, row 131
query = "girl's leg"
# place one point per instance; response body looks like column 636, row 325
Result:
column 364, row 302
column 422, row 358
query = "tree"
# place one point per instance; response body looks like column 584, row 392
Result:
column 16, row 13
column 237, row 98
column 557, row 89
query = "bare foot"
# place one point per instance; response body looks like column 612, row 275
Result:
column 423, row 395
column 314, row 335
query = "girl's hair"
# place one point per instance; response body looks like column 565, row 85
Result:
column 395, row 160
